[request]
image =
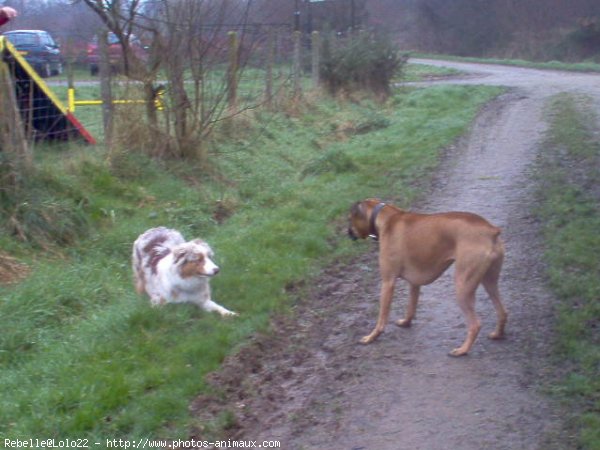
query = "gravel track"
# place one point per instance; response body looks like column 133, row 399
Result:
column 312, row 386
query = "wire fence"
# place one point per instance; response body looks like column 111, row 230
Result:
column 180, row 94
column 30, row 111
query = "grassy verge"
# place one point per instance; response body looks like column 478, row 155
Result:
column 550, row 65
column 82, row 356
column 569, row 180
column 250, row 90
column 423, row 72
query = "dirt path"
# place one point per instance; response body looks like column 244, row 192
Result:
column 314, row 387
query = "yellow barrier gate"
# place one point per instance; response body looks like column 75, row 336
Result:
column 72, row 103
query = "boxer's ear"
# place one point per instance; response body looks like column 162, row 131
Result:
column 359, row 210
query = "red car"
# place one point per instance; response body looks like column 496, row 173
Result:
column 115, row 52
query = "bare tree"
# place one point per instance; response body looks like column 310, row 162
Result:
column 187, row 49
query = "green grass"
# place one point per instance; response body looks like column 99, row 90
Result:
column 82, row 356
column 550, row 65
column 250, row 90
column 423, row 72
column 569, row 176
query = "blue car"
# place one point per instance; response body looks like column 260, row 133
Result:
column 39, row 50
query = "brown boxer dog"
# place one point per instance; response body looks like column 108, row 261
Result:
column 420, row 247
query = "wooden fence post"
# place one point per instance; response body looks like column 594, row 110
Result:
column 232, row 72
column 297, row 66
column 12, row 132
column 105, row 88
column 269, row 74
column 316, row 48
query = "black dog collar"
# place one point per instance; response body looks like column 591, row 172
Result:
column 372, row 228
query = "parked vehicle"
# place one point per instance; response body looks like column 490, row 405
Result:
column 115, row 52
column 39, row 50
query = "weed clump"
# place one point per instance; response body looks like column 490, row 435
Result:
column 333, row 161
column 364, row 62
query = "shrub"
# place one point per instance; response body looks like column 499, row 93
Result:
column 333, row 161
column 585, row 40
column 365, row 61
column 581, row 43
